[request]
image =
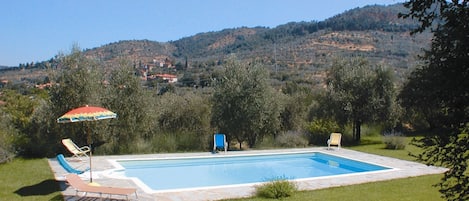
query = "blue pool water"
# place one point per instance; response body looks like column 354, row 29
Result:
column 166, row 174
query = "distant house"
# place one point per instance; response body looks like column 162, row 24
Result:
column 168, row 63
column 170, row 78
column 3, row 83
column 43, row 86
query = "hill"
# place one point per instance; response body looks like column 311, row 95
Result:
column 374, row 32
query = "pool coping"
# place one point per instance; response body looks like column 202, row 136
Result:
column 104, row 167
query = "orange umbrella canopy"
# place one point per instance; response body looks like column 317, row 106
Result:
column 86, row 113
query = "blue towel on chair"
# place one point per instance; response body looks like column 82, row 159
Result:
column 67, row 166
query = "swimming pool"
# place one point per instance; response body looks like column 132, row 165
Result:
column 220, row 170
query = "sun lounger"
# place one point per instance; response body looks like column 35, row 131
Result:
column 334, row 139
column 67, row 166
column 80, row 186
column 219, row 142
column 78, row 152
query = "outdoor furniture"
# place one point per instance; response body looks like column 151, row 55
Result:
column 334, row 140
column 78, row 152
column 219, row 142
column 81, row 186
column 67, row 166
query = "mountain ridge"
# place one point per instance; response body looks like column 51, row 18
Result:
column 359, row 31
column 374, row 32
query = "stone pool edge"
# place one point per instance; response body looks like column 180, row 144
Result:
column 401, row 169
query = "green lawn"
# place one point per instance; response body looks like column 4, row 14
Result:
column 32, row 179
column 374, row 145
column 411, row 189
column 28, row 179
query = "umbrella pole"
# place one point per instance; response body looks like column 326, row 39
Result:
column 91, row 173
column 91, row 152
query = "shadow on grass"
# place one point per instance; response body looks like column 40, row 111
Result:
column 46, row 187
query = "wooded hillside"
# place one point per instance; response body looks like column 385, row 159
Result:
column 374, row 32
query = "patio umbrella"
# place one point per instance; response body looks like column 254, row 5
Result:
column 87, row 113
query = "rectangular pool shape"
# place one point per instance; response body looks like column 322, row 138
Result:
column 183, row 173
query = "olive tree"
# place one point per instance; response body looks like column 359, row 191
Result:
column 295, row 102
column 358, row 93
column 126, row 97
column 244, row 105
column 19, row 117
column 7, row 137
column 78, row 81
column 184, row 118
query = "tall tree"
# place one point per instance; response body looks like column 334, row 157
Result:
column 126, row 97
column 358, row 93
column 185, row 117
column 78, row 81
column 15, row 119
column 439, row 90
column 244, row 104
column 295, row 103
column 8, row 134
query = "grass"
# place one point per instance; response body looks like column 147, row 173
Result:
column 374, row 145
column 32, row 179
column 28, row 179
column 411, row 189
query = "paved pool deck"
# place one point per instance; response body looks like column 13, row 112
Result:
column 104, row 172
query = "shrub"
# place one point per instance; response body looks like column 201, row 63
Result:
column 164, row 142
column 190, row 141
column 394, row 140
column 5, row 155
column 278, row 188
column 291, row 139
column 320, row 130
column 7, row 138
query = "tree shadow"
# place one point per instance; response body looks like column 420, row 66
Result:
column 46, row 187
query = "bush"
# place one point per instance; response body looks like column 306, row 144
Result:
column 7, row 138
column 5, row 155
column 278, row 188
column 394, row 140
column 291, row 139
column 190, row 141
column 320, row 130
column 164, row 142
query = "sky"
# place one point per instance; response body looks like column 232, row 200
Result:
column 37, row 30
